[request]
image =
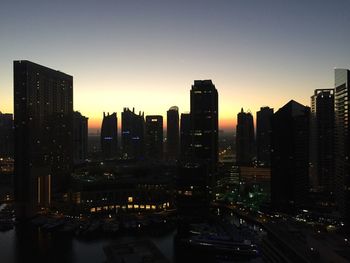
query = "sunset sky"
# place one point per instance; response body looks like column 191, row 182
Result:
column 146, row 54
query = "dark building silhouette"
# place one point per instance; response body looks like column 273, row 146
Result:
column 6, row 135
column 185, row 136
column 322, row 139
column 133, row 134
column 192, row 199
column 263, row 135
column 109, row 135
column 204, row 123
column 80, row 136
column 173, row 137
column 244, row 138
column 290, row 155
column 43, row 121
column 342, row 141
column 154, row 137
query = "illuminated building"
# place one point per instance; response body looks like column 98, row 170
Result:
column 43, row 121
column 173, row 137
column 133, row 134
column 244, row 138
column 290, row 155
column 109, row 135
column 154, row 137
column 263, row 136
column 80, row 130
column 204, row 123
column 342, row 141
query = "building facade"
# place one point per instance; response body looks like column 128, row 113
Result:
column 109, row 136
column 133, row 134
column 245, row 138
column 154, row 137
column 43, row 122
column 6, row 135
column 263, row 136
column 290, row 155
column 173, row 136
column 342, row 141
column 80, row 131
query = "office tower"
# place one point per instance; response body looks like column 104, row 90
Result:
column 109, row 135
column 154, row 137
column 43, row 121
column 290, row 155
column 173, row 137
column 322, row 139
column 204, row 123
column 133, row 134
column 244, row 138
column 263, row 135
column 80, row 136
column 342, row 141
column 185, row 136
column 6, row 135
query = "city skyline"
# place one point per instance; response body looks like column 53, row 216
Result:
column 273, row 52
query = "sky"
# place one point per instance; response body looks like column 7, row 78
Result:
column 147, row 54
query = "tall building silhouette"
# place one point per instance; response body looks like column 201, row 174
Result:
column 290, row 155
column 109, row 135
column 322, row 139
column 133, row 134
column 185, row 136
column 263, row 136
column 6, row 135
column 154, row 137
column 43, row 121
column 244, row 138
column 342, row 141
column 173, row 146
column 204, row 123
column 80, row 136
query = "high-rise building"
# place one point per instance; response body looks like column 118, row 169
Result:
column 173, row 137
column 109, row 135
column 43, row 122
column 244, row 138
column 80, row 136
column 185, row 136
column 290, row 155
column 6, row 135
column 342, row 141
column 204, row 123
column 133, row 134
column 263, row 136
column 322, row 139
column 154, row 137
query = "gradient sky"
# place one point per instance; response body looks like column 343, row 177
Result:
column 146, row 54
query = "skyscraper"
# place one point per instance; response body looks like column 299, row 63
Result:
column 43, row 121
column 342, row 141
column 244, row 138
column 133, row 134
column 109, row 135
column 80, row 131
column 185, row 136
column 173, row 133
column 204, row 123
column 322, row 139
column 263, row 135
column 154, row 137
column 6, row 135
column 290, row 155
